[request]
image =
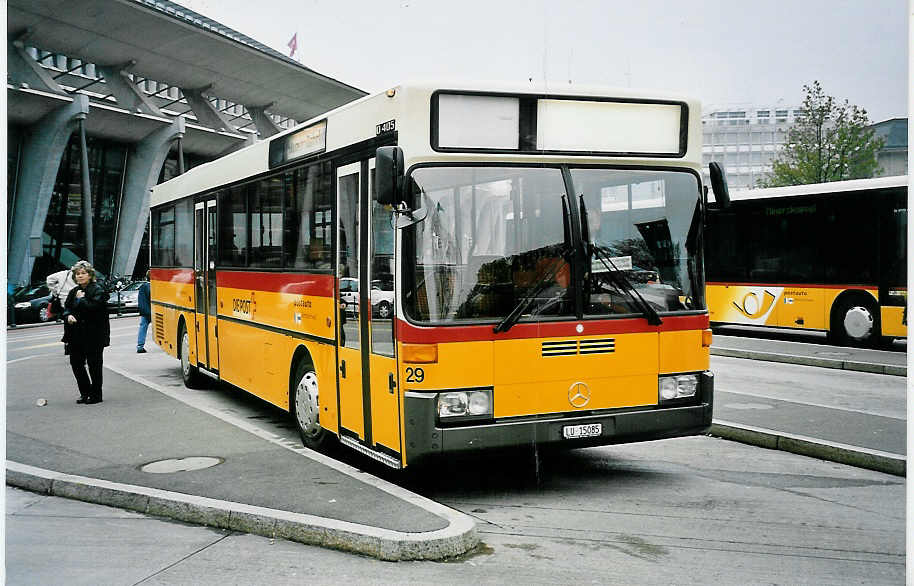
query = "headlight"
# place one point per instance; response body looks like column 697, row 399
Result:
column 475, row 403
column 23, row 305
column 678, row 387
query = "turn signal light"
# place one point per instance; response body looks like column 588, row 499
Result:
column 706, row 337
column 419, row 353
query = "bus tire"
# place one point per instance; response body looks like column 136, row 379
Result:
column 305, row 407
column 855, row 321
column 189, row 373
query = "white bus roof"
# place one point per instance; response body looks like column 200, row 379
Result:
column 820, row 188
column 357, row 120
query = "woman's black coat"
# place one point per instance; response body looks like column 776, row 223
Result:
column 91, row 330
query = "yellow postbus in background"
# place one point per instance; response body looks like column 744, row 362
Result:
column 829, row 257
column 442, row 269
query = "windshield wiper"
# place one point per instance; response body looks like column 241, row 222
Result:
column 512, row 318
column 616, row 274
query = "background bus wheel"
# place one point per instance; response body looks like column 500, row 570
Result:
column 189, row 372
column 305, row 407
column 384, row 310
column 856, row 322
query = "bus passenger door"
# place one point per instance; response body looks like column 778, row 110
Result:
column 369, row 391
column 349, row 314
column 205, row 283
column 385, row 396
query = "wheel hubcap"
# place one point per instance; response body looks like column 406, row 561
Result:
column 858, row 323
column 384, row 310
column 185, row 354
column 306, row 404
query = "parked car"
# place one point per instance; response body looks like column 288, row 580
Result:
column 126, row 299
column 31, row 303
column 382, row 299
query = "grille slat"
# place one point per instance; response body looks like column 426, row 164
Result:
column 575, row 347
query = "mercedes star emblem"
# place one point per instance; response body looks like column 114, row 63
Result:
column 579, row 395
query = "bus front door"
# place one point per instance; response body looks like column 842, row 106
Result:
column 369, row 407
column 205, row 284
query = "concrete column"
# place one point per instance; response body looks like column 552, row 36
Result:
column 206, row 114
column 263, row 123
column 143, row 167
column 41, row 155
column 87, row 195
column 127, row 94
column 22, row 70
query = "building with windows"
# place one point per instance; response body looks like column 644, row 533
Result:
column 745, row 140
column 893, row 156
column 106, row 98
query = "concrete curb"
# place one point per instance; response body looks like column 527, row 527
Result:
column 807, row 446
column 813, row 361
column 384, row 544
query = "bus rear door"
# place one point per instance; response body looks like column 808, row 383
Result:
column 205, row 283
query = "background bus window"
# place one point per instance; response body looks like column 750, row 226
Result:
column 267, row 220
column 726, row 259
column 233, row 224
column 308, row 219
column 850, row 239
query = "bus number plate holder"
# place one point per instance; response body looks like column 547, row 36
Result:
column 579, row 431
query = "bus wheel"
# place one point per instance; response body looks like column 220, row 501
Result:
column 189, row 372
column 305, row 407
column 856, row 322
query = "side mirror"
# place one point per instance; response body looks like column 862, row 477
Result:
column 388, row 173
column 719, row 185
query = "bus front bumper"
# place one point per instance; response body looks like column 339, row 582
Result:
column 425, row 437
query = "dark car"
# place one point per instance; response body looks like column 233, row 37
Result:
column 127, row 299
column 31, row 303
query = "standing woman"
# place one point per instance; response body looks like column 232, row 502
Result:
column 86, row 331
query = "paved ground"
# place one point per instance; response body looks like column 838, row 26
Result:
column 271, row 486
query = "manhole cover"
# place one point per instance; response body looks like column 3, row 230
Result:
column 181, row 464
column 748, row 406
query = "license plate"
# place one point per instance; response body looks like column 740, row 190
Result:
column 579, row 431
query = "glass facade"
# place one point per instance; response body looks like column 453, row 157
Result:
column 63, row 238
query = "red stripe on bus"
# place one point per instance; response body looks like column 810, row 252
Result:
column 294, row 283
column 412, row 334
column 172, row 275
column 796, row 286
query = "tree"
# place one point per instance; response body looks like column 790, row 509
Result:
column 831, row 141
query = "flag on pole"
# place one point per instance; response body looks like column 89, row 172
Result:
column 293, row 45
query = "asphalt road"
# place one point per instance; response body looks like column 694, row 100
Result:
column 688, row 511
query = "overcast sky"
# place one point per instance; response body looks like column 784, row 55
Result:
column 724, row 52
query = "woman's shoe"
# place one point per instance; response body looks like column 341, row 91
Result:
column 82, row 400
column 93, row 400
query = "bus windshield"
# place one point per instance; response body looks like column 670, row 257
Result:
column 643, row 230
column 500, row 239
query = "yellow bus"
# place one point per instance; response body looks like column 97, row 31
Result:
column 830, row 257
column 442, row 269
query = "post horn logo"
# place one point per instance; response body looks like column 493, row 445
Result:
column 752, row 307
column 579, row 395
